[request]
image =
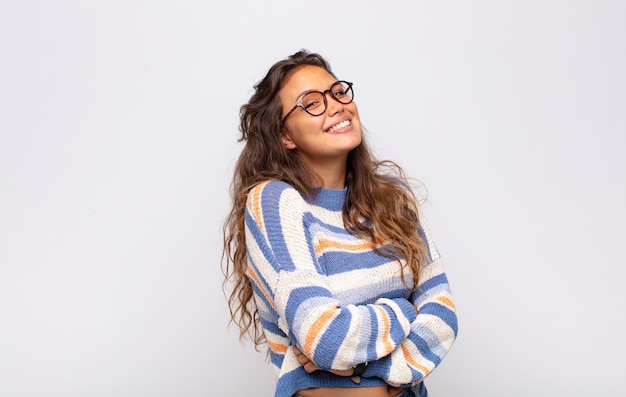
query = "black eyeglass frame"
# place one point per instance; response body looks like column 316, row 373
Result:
column 330, row 90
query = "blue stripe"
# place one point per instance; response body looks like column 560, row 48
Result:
column 368, row 294
column 297, row 297
column 331, row 340
column 307, row 220
column 423, row 347
column 276, row 358
column 434, row 282
column 332, row 230
column 270, row 202
column 272, row 327
column 255, row 230
column 305, row 307
column 264, row 283
column 371, row 351
column 444, row 313
column 337, row 262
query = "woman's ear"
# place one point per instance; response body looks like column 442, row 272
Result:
column 287, row 141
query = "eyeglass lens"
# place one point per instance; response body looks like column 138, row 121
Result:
column 314, row 102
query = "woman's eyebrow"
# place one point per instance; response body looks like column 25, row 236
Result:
column 303, row 93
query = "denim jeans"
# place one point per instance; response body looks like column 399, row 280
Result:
column 415, row 391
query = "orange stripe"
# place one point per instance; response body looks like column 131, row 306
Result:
column 277, row 347
column 412, row 362
column 257, row 281
column 386, row 325
column 446, row 301
column 256, row 208
column 317, row 327
column 325, row 244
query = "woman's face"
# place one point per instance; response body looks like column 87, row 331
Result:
column 320, row 140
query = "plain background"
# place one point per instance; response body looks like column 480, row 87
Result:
column 118, row 135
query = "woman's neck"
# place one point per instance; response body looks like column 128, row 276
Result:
column 333, row 175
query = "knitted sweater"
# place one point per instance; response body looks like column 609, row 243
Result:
column 326, row 291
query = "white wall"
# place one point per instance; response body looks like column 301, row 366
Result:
column 118, row 128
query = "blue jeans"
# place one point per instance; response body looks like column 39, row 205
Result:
column 415, row 391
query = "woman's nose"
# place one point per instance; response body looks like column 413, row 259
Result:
column 333, row 106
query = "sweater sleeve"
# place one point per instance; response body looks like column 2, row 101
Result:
column 433, row 331
column 283, row 267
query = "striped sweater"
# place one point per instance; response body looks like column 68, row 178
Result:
column 325, row 290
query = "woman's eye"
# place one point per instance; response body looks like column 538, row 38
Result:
column 311, row 105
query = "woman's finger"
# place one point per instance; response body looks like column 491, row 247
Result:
column 310, row 367
column 302, row 359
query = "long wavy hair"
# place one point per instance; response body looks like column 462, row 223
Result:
column 374, row 194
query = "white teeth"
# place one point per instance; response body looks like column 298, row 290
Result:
column 339, row 126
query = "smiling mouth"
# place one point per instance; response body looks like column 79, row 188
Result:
column 339, row 126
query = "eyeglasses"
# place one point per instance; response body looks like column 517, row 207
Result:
column 315, row 103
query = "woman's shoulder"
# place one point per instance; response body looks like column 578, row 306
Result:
column 272, row 193
column 271, row 187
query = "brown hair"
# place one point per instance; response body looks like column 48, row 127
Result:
column 376, row 192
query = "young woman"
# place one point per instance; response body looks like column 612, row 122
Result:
column 326, row 252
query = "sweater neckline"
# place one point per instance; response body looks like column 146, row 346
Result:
column 331, row 199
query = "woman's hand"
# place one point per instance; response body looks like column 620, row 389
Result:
column 309, row 366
